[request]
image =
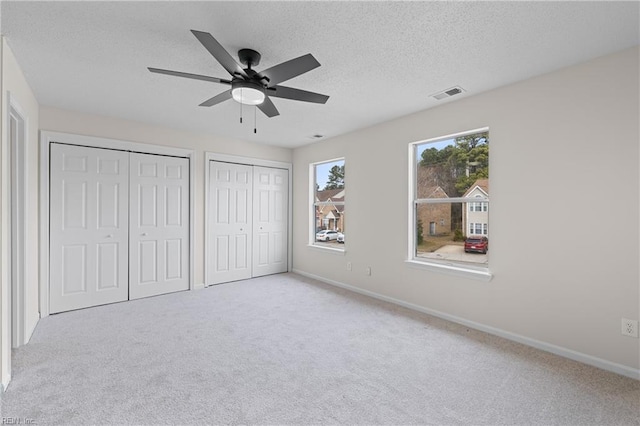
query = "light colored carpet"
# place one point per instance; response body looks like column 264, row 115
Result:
column 285, row 349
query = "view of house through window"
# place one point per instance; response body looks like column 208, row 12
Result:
column 451, row 199
column 328, row 204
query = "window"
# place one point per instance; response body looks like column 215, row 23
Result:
column 327, row 205
column 477, row 229
column 450, row 199
column 478, row 206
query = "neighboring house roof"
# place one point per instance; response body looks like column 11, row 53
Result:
column 435, row 192
column 330, row 195
column 480, row 184
column 432, row 192
column 325, row 210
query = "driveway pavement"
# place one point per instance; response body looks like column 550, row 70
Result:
column 455, row 253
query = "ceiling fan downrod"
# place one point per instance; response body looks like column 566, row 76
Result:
column 249, row 57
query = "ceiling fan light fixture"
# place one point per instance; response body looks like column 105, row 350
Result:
column 247, row 93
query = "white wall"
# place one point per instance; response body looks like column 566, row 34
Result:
column 15, row 86
column 565, row 263
column 106, row 127
column 5, row 323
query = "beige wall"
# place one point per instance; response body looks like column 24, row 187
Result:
column 15, row 86
column 563, row 276
column 105, row 127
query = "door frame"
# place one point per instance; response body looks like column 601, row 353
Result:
column 247, row 161
column 19, row 207
column 46, row 139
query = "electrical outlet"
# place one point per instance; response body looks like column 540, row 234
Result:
column 629, row 327
column 368, row 270
column 348, row 266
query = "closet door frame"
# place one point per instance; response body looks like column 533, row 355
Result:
column 249, row 161
column 46, row 139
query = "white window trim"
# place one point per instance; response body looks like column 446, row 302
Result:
column 450, row 268
column 446, row 267
column 312, row 204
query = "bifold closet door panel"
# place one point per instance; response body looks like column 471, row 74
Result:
column 89, row 204
column 159, row 225
column 270, row 220
column 230, row 223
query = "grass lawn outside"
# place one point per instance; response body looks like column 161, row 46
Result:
column 432, row 243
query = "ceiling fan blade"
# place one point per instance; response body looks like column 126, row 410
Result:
column 268, row 108
column 297, row 94
column 217, row 99
column 189, row 75
column 288, row 70
column 219, row 52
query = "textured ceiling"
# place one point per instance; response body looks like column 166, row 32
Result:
column 380, row 60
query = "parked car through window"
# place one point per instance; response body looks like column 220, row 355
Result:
column 476, row 244
column 327, row 235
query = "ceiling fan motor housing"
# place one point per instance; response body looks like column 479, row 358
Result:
column 249, row 57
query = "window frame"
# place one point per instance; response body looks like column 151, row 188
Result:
column 315, row 204
column 448, row 267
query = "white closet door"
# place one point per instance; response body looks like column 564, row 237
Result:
column 159, row 223
column 230, row 225
column 270, row 218
column 89, row 193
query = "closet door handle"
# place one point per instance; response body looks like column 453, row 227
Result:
column 144, row 234
column 110, row 236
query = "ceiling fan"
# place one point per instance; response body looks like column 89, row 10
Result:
column 249, row 86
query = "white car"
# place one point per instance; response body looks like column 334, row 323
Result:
column 327, row 235
column 340, row 238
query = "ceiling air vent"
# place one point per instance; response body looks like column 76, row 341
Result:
column 448, row 93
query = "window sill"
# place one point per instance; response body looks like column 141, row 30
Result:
column 476, row 273
column 331, row 250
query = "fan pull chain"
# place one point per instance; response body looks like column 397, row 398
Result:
column 254, row 119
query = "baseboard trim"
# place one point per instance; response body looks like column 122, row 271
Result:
column 547, row 347
column 5, row 383
column 29, row 332
column 199, row 286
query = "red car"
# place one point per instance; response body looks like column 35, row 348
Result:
column 476, row 243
